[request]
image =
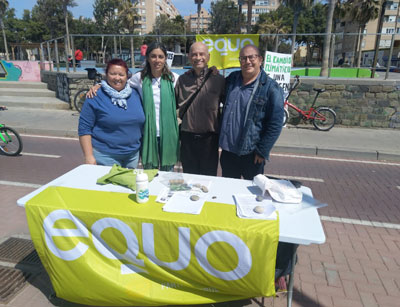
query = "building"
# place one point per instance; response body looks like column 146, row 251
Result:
column 345, row 44
column 148, row 11
column 198, row 27
column 259, row 7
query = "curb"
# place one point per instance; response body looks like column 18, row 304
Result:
column 338, row 153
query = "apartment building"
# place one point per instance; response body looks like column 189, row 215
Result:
column 148, row 11
column 259, row 7
column 195, row 25
column 345, row 42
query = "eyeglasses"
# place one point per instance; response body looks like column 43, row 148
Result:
column 251, row 57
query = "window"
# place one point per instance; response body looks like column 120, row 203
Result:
column 143, row 11
column 389, row 19
column 392, row 6
column 262, row 2
column 384, row 43
column 388, row 30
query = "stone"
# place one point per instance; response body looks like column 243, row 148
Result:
column 194, row 197
column 204, row 189
column 258, row 209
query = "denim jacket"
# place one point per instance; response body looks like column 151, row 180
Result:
column 263, row 123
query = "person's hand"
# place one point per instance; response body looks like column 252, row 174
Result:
column 90, row 160
column 215, row 70
column 258, row 159
column 92, row 91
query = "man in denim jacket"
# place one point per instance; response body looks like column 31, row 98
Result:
column 252, row 117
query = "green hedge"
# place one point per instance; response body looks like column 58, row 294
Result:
column 335, row 72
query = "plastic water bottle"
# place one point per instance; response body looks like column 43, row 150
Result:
column 142, row 187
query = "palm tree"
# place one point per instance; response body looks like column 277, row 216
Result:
column 362, row 11
column 3, row 8
column 249, row 14
column 327, row 40
column 273, row 24
column 297, row 6
column 128, row 15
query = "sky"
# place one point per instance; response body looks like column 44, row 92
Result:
column 85, row 7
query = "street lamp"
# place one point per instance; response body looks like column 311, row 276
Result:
column 199, row 3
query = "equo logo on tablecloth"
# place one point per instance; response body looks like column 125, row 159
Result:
column 137, row 265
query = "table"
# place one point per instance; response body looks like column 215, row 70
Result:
column 297, row 227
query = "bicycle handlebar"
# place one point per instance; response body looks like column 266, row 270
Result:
column 294, row 85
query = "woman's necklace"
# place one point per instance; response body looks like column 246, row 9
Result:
column 158, row 81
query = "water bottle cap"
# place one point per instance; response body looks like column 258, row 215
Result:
column 142, row 176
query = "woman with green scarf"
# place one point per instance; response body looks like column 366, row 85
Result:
column 156, row 83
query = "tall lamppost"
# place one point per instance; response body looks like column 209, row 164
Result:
column 199, row 3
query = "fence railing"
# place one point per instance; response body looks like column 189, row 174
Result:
column 344, row 52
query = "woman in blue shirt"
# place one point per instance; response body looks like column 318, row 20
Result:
column 111, row 123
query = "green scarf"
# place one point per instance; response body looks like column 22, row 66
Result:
column 169, row 136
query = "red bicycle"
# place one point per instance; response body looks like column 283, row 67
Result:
column 323, row 118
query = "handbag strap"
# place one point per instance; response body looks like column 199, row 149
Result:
column 191, row 99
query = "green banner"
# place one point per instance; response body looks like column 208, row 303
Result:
column 103, row 248
column 224, row 49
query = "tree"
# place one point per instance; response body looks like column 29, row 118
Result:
column 164, row 26
column 327, row 40
column 50, row 13
column 105, row 13
column 128, row 16
column 297, row 6
column 272, row 23
column 65, row 5
column 3, row 8
column 361, row 12
column 312, row 20
column 249, row 15
column 224, row 17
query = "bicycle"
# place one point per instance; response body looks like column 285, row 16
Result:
column 80, row 96
column 10, row 141
column 323, row 118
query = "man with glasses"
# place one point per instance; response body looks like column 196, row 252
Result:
column 252, row 117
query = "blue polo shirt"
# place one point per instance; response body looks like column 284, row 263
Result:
column 114, row 130
column 234, row 116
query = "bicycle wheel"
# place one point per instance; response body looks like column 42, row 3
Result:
column 324, row 119
column 79, row 99
column 12, row 146
column 285, row 116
